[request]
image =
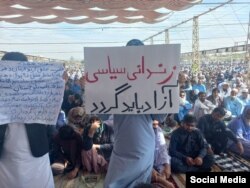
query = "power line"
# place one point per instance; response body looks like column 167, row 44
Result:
column 185, row 21
column 66, row 52
column 238, row 18
column 64, row 43
column 103, row 42
column 225, row 29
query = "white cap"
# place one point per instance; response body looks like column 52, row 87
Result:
column 196, row 91
column 224, row 83
column 244, row 90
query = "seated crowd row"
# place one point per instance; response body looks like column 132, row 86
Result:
column 86, row 143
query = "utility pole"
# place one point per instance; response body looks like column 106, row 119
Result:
column 195, row 47
column 195, row 44
column 166, row 37
column 151, row 40
column 185, row 21
column 247, row 56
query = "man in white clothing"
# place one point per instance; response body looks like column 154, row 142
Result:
column 203, row 106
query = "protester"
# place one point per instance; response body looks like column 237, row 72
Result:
column 202, row 106
column 216, row 132
column 225, row 89
column 193, row 95
column 74, row 100
column 200, row 86
column 78, row 119
column 188, row 148
column 215, row 98
column 67, row 152
column 184, row 107
column 244, row 97
column 169, row 126
column 233, row 104
column 24, row 159
column 98, row 141
column 162, row 169
column 241, row 127
column 133, row 152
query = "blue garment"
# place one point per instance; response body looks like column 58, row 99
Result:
column 244, row 101
column 185, row 144
column 239, row 126
column 187, row 88
column 183, row 110
column 242, row 130
column 133, row 152
column 200, row 87
column 76, row 89
column 61, row 120
column 233, row 105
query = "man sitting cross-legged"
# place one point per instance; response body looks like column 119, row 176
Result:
column 188, row 148
column 67, row 152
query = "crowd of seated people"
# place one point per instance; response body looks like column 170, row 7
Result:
column 200, row 105
column 85, row 142
column 221, row 109
column 79, row 141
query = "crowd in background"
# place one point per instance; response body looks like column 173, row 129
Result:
column 213, row 119
column 214, row 100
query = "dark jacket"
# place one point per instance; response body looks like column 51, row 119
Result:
column 37, row 136
column 185, row 144
column 216, row 133
column 104, row 136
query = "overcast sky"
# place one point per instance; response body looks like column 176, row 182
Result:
column 219, row 28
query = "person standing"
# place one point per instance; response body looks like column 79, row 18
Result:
column 132, row 157
column 24, row 158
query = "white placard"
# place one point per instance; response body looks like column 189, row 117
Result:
column 132, row 80
column 30, row 92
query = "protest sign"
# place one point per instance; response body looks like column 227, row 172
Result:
column 132, row 79
column 30, row 92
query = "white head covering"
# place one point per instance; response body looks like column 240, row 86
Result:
column 244, row 90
